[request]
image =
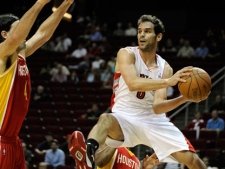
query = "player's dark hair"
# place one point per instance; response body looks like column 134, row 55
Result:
column 158, row 25
column 6, row 20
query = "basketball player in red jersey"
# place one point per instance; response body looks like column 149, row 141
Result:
column 111, row 158
column 139, row 103
column 123, row 158
column 15, row 84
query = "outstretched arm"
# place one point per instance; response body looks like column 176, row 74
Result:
column 47, row 28
column 21, row 30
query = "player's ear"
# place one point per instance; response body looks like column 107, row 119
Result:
column 159, row 37
column 4, row 34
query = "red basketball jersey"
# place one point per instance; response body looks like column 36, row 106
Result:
column 15, row 90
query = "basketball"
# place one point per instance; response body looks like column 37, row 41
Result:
column 197, row 85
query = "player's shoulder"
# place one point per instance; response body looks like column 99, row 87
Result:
column 168, row 66
column 126, row 51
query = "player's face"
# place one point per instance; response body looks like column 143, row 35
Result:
column 146, row 36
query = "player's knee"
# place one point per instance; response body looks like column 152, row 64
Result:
column 99, row 163
column 106, row 119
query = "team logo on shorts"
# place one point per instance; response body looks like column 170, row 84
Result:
column 79, row 155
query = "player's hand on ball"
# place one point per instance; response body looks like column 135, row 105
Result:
column 177, row 77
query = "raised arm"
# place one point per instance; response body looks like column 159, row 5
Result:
column 47, row 28
column 20, row 29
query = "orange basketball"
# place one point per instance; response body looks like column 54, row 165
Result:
column 197, row 85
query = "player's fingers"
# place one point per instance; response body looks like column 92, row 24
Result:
column 184, row 74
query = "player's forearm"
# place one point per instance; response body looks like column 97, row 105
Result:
column 168, row 105
column 25, row 24
column 142, row 84
column 48, row 27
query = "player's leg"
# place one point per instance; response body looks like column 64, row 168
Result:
column 21, row 163
column 190, row 159
column 103, row 155
column 107, row 125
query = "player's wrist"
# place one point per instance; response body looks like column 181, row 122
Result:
column 166, row 83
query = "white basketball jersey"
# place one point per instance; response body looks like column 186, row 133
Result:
column 135, row 102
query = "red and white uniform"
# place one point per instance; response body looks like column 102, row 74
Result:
column 15, row 90
column 139, row 123
column 122, row 159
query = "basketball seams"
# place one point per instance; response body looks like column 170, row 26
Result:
column 204, row 79
column 189, row 86
column 197, row 82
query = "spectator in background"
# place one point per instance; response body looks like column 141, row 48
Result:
column 56, row 67
column 112, row 63
column 93, row 50
column 91, row 76
column 93, row 112
column 180, row 44
column 97, row 65
column 130, row 30
column 186, row 51
column 96, row 35
column 27, row 154
column 49, row 45
column 205, row 159
column 106, row 74
column 45, row 70
column 210, row 34
column 119, row 31
column 64, row 145
column 44, row 145
column 79, row 52
column 169, row 47
column 83, row 66
column 63, row 43
column 74, row 78
column 215, row 123
column 196, row 123
column 214, row 50
column 202, row 50
column 59, row 75
column 105, row 30
column 54, row 157
column 218, row 104
column 40, row 94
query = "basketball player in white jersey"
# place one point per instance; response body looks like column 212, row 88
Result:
column 139, row 104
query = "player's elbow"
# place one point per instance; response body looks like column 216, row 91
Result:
column 156, row 110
